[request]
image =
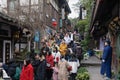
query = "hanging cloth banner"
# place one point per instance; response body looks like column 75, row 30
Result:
column 37, row 36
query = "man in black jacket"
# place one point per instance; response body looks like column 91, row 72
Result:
column 35, row 64
column 41, row 70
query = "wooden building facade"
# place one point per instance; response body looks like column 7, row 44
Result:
column 105, row 24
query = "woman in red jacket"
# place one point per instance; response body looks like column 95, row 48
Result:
column 50, row 64
column 27, row 71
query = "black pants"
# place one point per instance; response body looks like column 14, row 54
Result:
column 72, row 76
column 49, row 73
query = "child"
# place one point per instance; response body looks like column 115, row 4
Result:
column 55, row 71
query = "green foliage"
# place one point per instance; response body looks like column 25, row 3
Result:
column 82, row 70
column 82, row 74
column 22, row 55
column 81, row 26
column 85, row 43
column 74, row 21
column 118, row 75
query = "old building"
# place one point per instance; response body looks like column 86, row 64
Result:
column 9, row 34
column 36, row 19
column 105, row 24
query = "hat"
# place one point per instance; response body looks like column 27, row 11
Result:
column 108, row 41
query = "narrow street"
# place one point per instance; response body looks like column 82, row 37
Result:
column 94, row 72
column 93, row 65
column 47, row 39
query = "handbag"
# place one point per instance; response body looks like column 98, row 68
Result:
column 69, row 68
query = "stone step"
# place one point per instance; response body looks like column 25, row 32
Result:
column 91, row 61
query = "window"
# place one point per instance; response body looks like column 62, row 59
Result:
column 3, row 3
column 24, row 2
column 11, row 5
column 33, row 2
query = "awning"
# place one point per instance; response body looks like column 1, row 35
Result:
column 103, row 12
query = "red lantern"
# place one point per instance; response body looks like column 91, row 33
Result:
column 54, row 23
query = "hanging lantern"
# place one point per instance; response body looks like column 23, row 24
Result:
column 54, row 23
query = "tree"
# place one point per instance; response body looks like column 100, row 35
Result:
column 83, row 25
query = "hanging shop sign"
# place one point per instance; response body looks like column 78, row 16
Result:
column 37, row 36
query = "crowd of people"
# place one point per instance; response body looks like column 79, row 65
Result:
column 57, row 60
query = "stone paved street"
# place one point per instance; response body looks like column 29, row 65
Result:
column 94, row 73
column 93, row 67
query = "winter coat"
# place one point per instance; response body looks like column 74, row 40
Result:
column 17, row 73
column 63, row 49
column 27, row 73
column 11, row 70
column 56, row 56
column 63, row 70
column 55, row 73
column 35, row 65
column 41, row 70
column 50, row 61
column 74, row 63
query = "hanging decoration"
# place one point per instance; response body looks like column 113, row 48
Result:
column 54, row 22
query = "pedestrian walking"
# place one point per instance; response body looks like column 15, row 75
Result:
column 63, row 72
column 50, row 64
column 67, row 38
column 63, row 48
column 35, row 64
column 11, row 68
column 56, row 54
column 74, row 62
column 27, row 72
column 106, row 60
column 55, row 71
column 45, row 48
column 17, row 72
column 41, row 70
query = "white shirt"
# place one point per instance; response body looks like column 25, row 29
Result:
column 75, row 65
column 56, row 55
column 67, row 39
